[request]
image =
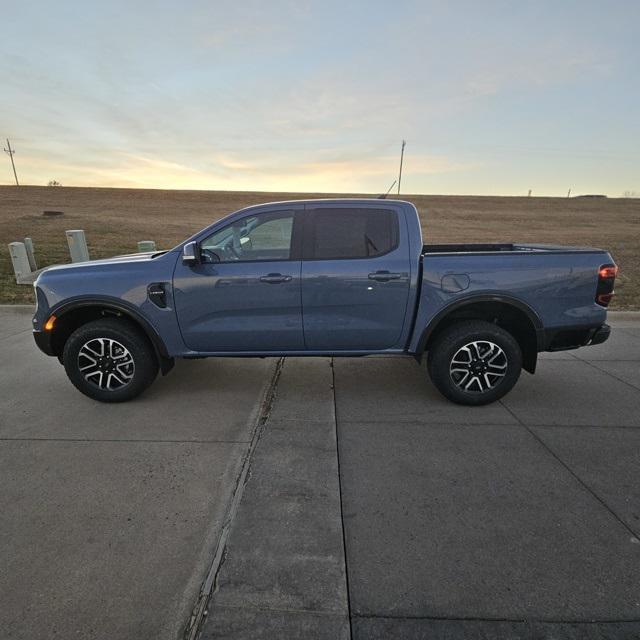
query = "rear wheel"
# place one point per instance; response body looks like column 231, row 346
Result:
column 109, row 360
column 474, row 362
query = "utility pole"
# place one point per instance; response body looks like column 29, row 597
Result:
column 401, row 159
column 11, row 151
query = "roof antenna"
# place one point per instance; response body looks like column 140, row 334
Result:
column 384, row 195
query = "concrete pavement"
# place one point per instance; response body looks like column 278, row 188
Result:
column 109, row 515
column 284, row 574
column 371, row 507
column 515, row 520
column 518, row 520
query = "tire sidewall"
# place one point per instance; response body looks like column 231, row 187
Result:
column 440, row 356
column 146, row 366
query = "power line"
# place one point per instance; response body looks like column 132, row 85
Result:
column 11, row 151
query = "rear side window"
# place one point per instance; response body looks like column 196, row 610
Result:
column 351, row 233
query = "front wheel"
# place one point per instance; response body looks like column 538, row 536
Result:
column 109, row 360
column 474, row 362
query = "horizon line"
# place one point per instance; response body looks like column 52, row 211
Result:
column 355, row 193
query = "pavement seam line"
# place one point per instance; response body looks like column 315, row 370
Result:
column 615, row 377
column 489, row 424
column 13, row 335
column 127, row 440
column 584, row 426
column 315, row 612
column 549, row 450
column 344, row 536
column 373, row 616
column 200, row 610
column 579, row 359
column 626, row 330
column 635, row 534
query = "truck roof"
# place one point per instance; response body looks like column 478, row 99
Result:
column 355, row 201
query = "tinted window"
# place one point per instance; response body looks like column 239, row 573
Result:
column 263, row 237
column 352, row 233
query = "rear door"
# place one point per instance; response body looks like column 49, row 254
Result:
column 355, row 277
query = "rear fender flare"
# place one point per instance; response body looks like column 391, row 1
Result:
column 469, row 300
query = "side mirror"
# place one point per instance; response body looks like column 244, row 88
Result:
column 190, row 253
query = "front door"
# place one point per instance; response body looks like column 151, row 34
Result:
column 244, row 295
column 355, row 280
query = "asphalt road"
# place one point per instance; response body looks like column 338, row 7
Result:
column 354, row 502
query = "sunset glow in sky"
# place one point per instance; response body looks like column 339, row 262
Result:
column 492, row 97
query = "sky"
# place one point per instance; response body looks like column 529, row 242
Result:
column 492, row 97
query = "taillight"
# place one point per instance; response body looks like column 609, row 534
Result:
column 608, row 271
column 606, row 278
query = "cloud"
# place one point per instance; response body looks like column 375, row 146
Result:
column 550, row 63
column 351, row 173
column 300, row 95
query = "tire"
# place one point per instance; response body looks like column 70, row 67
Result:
column 109, row 360
column 494, row 362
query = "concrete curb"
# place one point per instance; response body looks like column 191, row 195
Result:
column 18, row 308
column 624, row 315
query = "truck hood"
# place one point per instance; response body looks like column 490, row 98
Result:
column 122, row 277
column 116, row 260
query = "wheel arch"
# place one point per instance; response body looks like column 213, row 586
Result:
column 72, row 314
column 513, row 315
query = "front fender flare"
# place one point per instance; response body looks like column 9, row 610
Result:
column 120, row 307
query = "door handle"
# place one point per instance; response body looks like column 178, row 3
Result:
column 385, row 276
column 275, row 278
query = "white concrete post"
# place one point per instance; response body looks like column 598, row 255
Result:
column 146, row 245
column 28, row 245
column 77, row 245
column 20, row 260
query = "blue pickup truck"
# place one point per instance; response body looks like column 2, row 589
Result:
column 340, row 277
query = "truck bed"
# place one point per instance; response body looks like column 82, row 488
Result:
column 466, row 248
column 504, row 247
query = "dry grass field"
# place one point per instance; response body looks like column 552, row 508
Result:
column 115, row 219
